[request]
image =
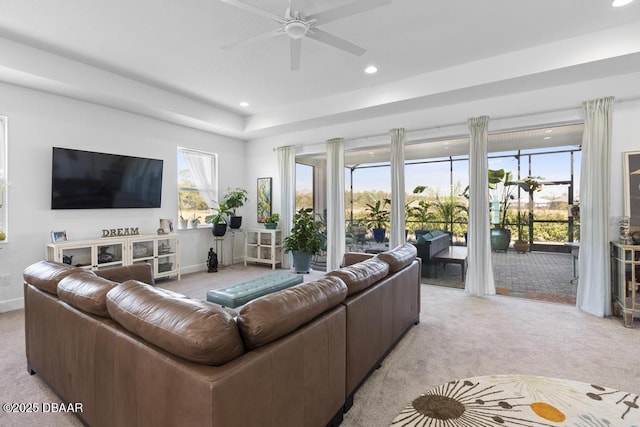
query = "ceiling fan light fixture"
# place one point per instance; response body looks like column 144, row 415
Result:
column 296, row 29
column 620, row 3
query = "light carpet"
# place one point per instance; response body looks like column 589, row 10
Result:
column 520, row 400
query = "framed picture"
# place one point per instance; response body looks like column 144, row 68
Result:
column 58, row 236
column 632, row 188
column 264, row 198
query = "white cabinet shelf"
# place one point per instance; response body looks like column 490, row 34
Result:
column 161, row 251
column 625, row 281
column 263, row 246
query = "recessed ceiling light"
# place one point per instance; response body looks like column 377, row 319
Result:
column 548, row 131
column 244, row 104
column 371, row 69
column 620, row 3
column 547, row 137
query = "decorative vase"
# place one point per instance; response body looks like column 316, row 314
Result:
column 302, row 261
column 104, row 256
column 219, row 229
column 235, row 222
column 378, row 234
column 500, row 239
column 521, row 246
column 270, row 225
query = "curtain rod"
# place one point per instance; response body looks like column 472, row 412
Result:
column 513, row 116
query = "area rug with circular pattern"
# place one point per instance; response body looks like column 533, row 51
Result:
column 521, row 400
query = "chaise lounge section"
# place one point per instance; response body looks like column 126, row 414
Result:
column 428, row 246
column 134, row 354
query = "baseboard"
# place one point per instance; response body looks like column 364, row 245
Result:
column 11, row 304
column 193, row 268
column 336, row 420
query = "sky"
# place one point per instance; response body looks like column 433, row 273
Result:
column 551, row 167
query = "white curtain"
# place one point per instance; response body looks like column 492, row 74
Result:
column 335, row 203
column 287, row 170
column 203, row 167
column 594, row 293
column 479, row 280
column 397, row 236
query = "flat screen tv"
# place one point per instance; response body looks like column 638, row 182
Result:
column 89, row 180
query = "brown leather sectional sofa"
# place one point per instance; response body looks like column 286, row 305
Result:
column 135, row 354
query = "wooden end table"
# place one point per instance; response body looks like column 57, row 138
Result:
column 452, row 255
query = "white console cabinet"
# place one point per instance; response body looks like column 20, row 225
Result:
column 161, row 251
column 263, row 246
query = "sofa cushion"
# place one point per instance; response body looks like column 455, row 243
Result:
column 86, row 291
column 399, row 257
column 45, row 275
column 361, row 275
column 272, row 316
column 194, row 330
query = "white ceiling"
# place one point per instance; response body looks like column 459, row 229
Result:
column 427, row 52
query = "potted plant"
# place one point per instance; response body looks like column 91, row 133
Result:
column 271, row 221
column 501, row 191
column 530, row 185
column 377, row 218
column 522, row 245
column 304, row 240
column 233, row 199
column 195, row 221
column 183, row 222
column 218, row 219
column 421, row 213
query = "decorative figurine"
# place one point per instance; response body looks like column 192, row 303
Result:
column 212, row 262
column 625, row 238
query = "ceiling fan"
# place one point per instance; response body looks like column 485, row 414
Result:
column 296, row 25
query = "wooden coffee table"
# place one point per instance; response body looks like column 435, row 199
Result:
column 452, row 255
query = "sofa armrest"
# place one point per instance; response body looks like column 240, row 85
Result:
column 142, row 272
column 355, row 257
column 434, row 245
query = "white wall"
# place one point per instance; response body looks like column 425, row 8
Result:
column 37, row 121
column 626, row 137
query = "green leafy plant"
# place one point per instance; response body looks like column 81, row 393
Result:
column 219, row 215
column 304, row 235
column 420, row 211
column 235, row 198
column 377, row 213
column 501, row 190
column 274, row 217
column 449, row 211
column 530, row 185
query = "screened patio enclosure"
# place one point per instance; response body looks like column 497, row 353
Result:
column 547, row 219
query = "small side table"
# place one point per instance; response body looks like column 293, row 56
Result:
column 218, row 247
column 233, row 232
column 575, row 252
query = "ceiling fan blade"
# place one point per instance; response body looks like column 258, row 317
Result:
column 327, row 38
column 250, row 8
column 252, row 39
column 298, row 6
column 353, row 8
column 295, row 46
